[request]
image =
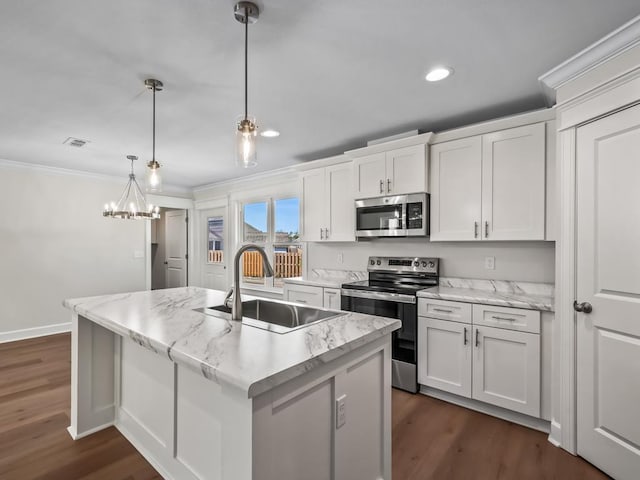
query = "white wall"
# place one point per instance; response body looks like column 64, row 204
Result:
column 55, row 244
column 524, row 261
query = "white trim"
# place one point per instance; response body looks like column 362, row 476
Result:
column 478, row 406
column 76, row 436
column 140, row 446
column 217, row 202
column 34, row 332
column 598, row 53
column 555, row 435
column 422, row 139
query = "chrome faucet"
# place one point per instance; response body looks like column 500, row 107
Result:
column 236, row 306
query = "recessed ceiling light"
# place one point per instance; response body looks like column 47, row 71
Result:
column 438, row 73
column 270, row 133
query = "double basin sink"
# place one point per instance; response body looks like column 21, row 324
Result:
column 279, row 317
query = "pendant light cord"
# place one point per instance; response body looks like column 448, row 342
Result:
column 246, row 54
column 153, row 151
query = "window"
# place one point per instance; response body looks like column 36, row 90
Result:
column 215, row 240
column 274, row 224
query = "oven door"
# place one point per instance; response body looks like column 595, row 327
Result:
column 381, row 217
column 403, row 341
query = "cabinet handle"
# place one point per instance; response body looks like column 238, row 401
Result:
column 326, row 234
column 321, row 237
column 477, row 340
column 300, row 301
column 442, row 310
column 486, row 229
column 475, row 229
column 495, row 317
column 388, row 185
column 381, row 186
column 329, row 293
column 465, row 336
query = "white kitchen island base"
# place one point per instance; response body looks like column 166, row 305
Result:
column 188, row 426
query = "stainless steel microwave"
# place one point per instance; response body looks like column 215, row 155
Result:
column 394, row 216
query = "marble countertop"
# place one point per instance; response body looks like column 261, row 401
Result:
column 532, row 296
column 227, row 352
column 328, row 278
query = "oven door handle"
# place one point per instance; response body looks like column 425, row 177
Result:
column 391, row 297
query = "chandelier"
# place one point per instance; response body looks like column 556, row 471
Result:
column 132, row 204
column 246, row 128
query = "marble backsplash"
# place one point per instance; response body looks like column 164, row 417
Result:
column 500, row 286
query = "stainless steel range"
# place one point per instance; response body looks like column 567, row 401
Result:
column 391, row 292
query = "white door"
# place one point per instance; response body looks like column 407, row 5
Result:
column 214, row 257
column 608, row 278
column 513, row 184
column 313, row 205
column 176, row 248
column 444, row 355
column 370, row 176
column 341, row 210
column 456, row 190
column 506, row 369
column 406, row 170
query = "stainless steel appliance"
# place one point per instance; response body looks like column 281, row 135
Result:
column 391, row 292
column 396, row 216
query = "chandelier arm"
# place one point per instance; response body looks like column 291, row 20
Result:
column 123, row 197
column 139, row 196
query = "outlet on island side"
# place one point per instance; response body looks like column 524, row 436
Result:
column 490, row 263
column 341, row 411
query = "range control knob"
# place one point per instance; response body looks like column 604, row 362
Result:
column 372, row 262
column 378, row 262
column 416, row 264
column 431, row 264
column 424, row 264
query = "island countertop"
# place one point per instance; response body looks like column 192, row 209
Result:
column 227, row 352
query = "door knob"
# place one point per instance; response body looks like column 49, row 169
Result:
column 584, row 307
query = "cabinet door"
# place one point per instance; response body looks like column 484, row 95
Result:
column 313, row 205
column 332, row 298
column 506, row 369
column 456, row 190
column 370, row 175
column 406, row 170
column 341, row 207
column 444, row 355
column 513, row 184
column 312, row 296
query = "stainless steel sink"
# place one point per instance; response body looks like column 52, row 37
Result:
column 280, row 317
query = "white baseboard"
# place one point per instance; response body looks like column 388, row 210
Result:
column 76, row 436
column 25, row 333
column 556, row 434
column 509, row 415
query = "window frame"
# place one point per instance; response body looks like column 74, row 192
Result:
column 270, row 244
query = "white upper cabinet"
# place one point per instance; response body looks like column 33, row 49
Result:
column 328, row 206
column 394, row 172
column 513, row 184
column 490, row 187
column 456, row 189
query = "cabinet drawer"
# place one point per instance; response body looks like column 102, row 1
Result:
column 312, row 296
column 444, row 310
column 507, row 318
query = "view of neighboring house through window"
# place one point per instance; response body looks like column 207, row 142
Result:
column 274, row 225
column 215, row 240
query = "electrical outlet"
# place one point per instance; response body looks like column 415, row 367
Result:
column 138, row 254
column 490, row 263
column 341, row 411
column 340, row 258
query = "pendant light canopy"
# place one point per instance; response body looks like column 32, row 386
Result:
column 246, row 128
column 132, row 204
column 153, row 177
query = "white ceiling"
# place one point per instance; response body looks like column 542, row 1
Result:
column 329, row 74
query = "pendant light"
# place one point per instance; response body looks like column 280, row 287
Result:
column 153, row 177
column 246, row 128
column 132, row 204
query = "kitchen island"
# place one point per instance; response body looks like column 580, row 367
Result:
column 203, row 397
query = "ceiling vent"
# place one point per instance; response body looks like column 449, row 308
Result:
column 75, row 142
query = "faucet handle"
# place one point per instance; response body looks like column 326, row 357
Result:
column 228, row 299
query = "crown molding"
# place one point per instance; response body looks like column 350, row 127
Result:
column 608, row 47
column 170, row 190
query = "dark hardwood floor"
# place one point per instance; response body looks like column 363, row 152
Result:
column 431, row 439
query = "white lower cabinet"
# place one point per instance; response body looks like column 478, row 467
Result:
column 312, row 295
column 506, row 369
column 499, row 365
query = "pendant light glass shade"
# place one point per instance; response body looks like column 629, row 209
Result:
column 132, row 204
column 153, row 176
column 246, row 128
column 246, row 138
